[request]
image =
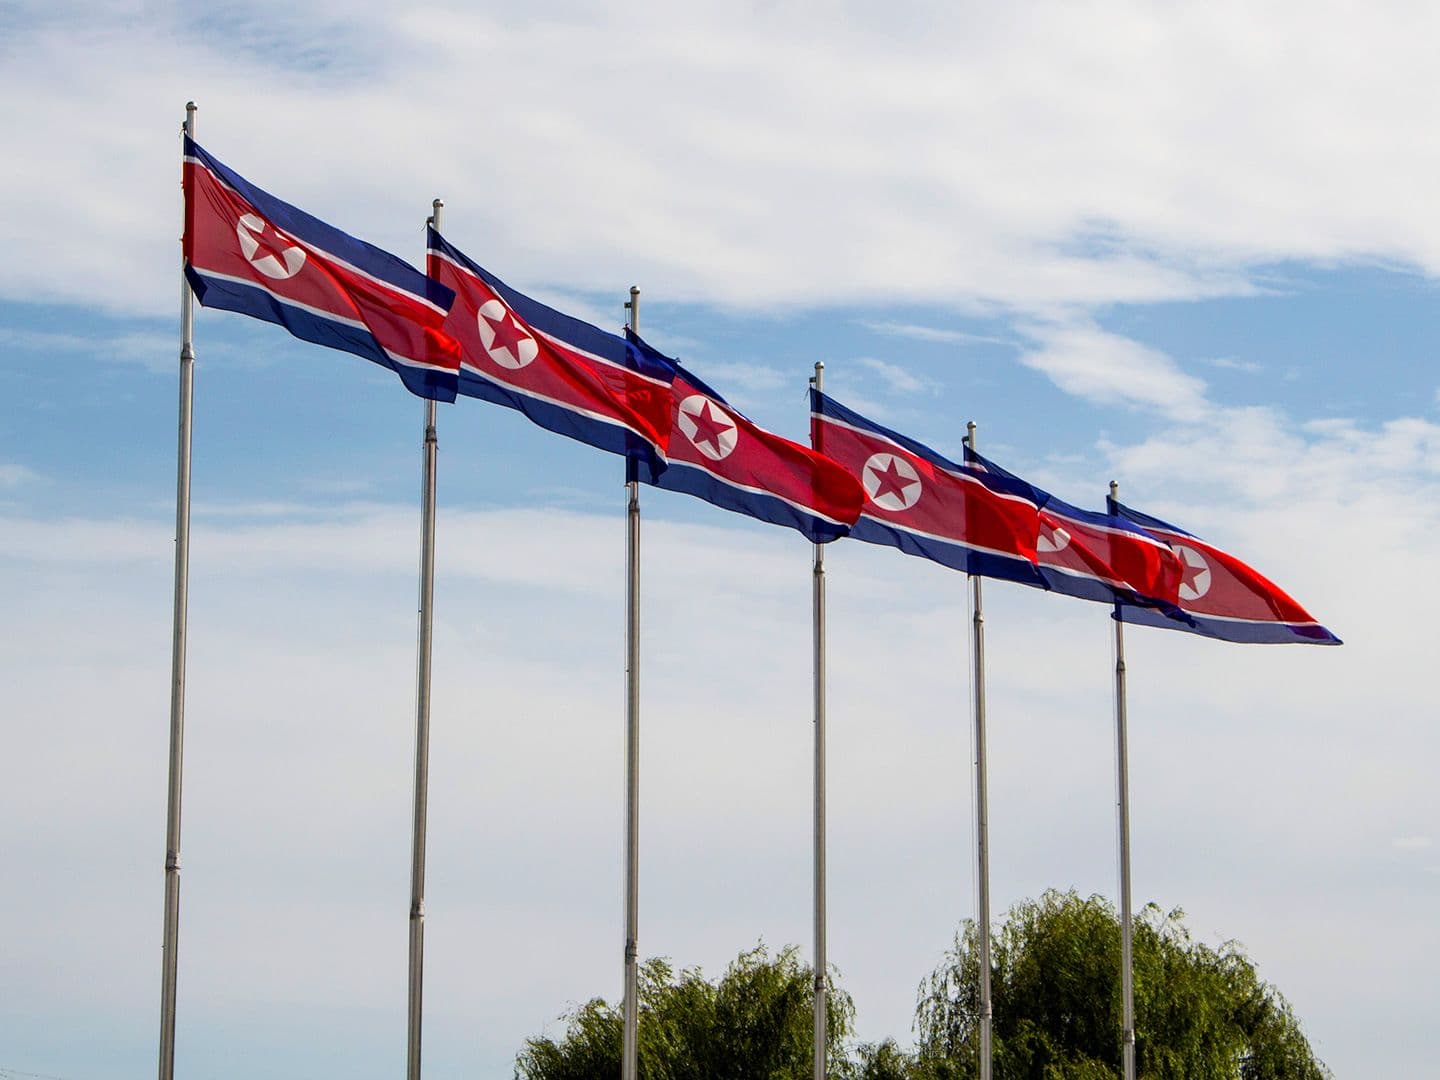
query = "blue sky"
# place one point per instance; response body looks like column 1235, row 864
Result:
column 1189, row 248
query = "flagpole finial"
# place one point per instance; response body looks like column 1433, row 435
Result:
column 191, row 107
column 1115, row 489
column 437, row 203
column 970, row 434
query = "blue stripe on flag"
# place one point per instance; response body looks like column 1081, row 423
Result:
column 690, row 479
column 828, row 407
column 602, row 434
column 258, row 303
column 609, row 347
column 956, row 556
column 1241, row 631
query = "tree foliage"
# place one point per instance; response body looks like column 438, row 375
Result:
column 754, row 1024
column 1201, row 1012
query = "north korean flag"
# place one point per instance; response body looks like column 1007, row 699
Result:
column 924, row 504
column 1090, row 555
column 1222, row 597
column 247, row 251
column 719, row 455
column 567, row 376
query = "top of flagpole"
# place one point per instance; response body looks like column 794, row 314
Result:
column 633, row 306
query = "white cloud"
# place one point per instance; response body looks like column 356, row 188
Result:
column 13, row 475
column 936, row 334
column 151, row 350
column 1108, row 369
column 973, row 157
column 1230, row 363
column 1025, row 160
column 749, row 377
column 302, row 637
column 895, row 377
column 1257, row 455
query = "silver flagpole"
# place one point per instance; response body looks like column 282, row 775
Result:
column 422, row 729
column 630, row 1046
column 818, row 595
column 170, row 939
column 982, row 813
column 1122, row 813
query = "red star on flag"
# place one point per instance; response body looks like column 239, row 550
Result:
column 508, row 334
column 890, row 481
column 709, row 426
column 1189, row 574
column 269, row 241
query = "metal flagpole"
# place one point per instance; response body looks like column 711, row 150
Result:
column 818, row 602
column 1122, row 813
column 422, row 729
column 171, row 936
column 982, row 812
column 630, row 1046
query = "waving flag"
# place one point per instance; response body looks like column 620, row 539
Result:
column 1221, row 597
column 719, row 455
column 247, row 251
column 926, row 505
column 567, row 376
column 983, row 520
column 1093, row 556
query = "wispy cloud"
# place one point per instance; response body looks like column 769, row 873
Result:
column 341, row 486
column 13, row 475
column 307, row 624
column 1269, row 458
column 1230, row 363
column 676, row 345
column 1008, row 197
column 151, row 350
column 1110, row 369
column 749, row 377
column 896, row 377
column 937, row 334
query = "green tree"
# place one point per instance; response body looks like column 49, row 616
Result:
column 1199, row 1011
column 754, row 1024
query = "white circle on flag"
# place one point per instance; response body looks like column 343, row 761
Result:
column 508, row 345
column 707, row 426
column 1051, row 538
column 284, row 265
column 891, row 482
column 1195, row 581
